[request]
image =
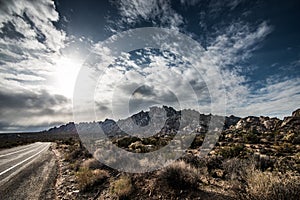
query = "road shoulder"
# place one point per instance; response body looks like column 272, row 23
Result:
column 36, row 181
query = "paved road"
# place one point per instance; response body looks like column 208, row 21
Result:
column 27, row 172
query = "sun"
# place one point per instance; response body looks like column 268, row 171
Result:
column 66, row 71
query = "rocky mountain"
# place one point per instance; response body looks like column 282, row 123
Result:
column 166, row 120
column 266, row 124
column 292, row 122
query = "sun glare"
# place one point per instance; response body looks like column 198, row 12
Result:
column 65, row 75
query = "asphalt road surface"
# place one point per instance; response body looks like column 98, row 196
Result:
column 27, row 172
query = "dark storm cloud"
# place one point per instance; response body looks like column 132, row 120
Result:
column 31, row 111
column 11, row 127
column 153, row 96
column 136, row 90
column 30, row 100
column 144, row 91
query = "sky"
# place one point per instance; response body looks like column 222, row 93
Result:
column 247, row 63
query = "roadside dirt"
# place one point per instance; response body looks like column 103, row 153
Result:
column 34, row 182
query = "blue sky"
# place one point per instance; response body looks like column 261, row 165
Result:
column 254, row 45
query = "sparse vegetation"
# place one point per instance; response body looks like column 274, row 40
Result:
column 270, row 186
column 126, row 141
column 250, row 162
column 92, row 164
column 197, row 142
column 122, row 187
column 251, row 137
column 87, row 178
column 180, row 175
column 237, row 169
column 75, row 151
column 231, row 151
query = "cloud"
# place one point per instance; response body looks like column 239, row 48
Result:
column 30, row 45
column 144, row 91
column 290, row 67
column 164, row 78
column 158, row 12
column 33, row 19
column 214, row 5
column 161, row 80
column 277, row 98
column 226, row 49
column 27, row 109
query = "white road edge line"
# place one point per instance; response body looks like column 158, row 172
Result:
column 17, row 151
column 23, row 161
column 27, row 152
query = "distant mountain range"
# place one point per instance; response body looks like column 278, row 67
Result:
column 166, row 120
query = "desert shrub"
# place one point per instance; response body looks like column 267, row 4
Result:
column 69, row 141
column 251, row 138
column 180, row 175
column 264, row 162
column 87, row 178
column 213, row 162
column 76, row 151
column 195, row 161
column 287, row 164
column 270, row 186
column 116, row 159
column 230, row 152
column 197, row 142
column 72, row 155
column 160, row 142
column 126, row 141
column 91, row 163
column 149, row 141
column 138, row 146
column 122, row 187
column 238, row 169
column 296, row 140
column 75, row 166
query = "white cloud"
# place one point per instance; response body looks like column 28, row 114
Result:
column 276, row 98
column 22, row 51
column 21, row 13
column 28, row 55
column 233, row 45
column 159, row 12
column 217, row 6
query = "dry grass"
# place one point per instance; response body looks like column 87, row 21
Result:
column 122, row 187
column 269, row 186
column 88, row 178
column 91, row 163
column 75, row 151
column 238, row 169
column 180, row 175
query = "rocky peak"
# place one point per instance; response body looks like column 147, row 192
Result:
column 66, row 128
column 170, row 111
column 257, row 124
column 141, row 119
column 292, row 122
column 231, row 121
column 296, row 113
